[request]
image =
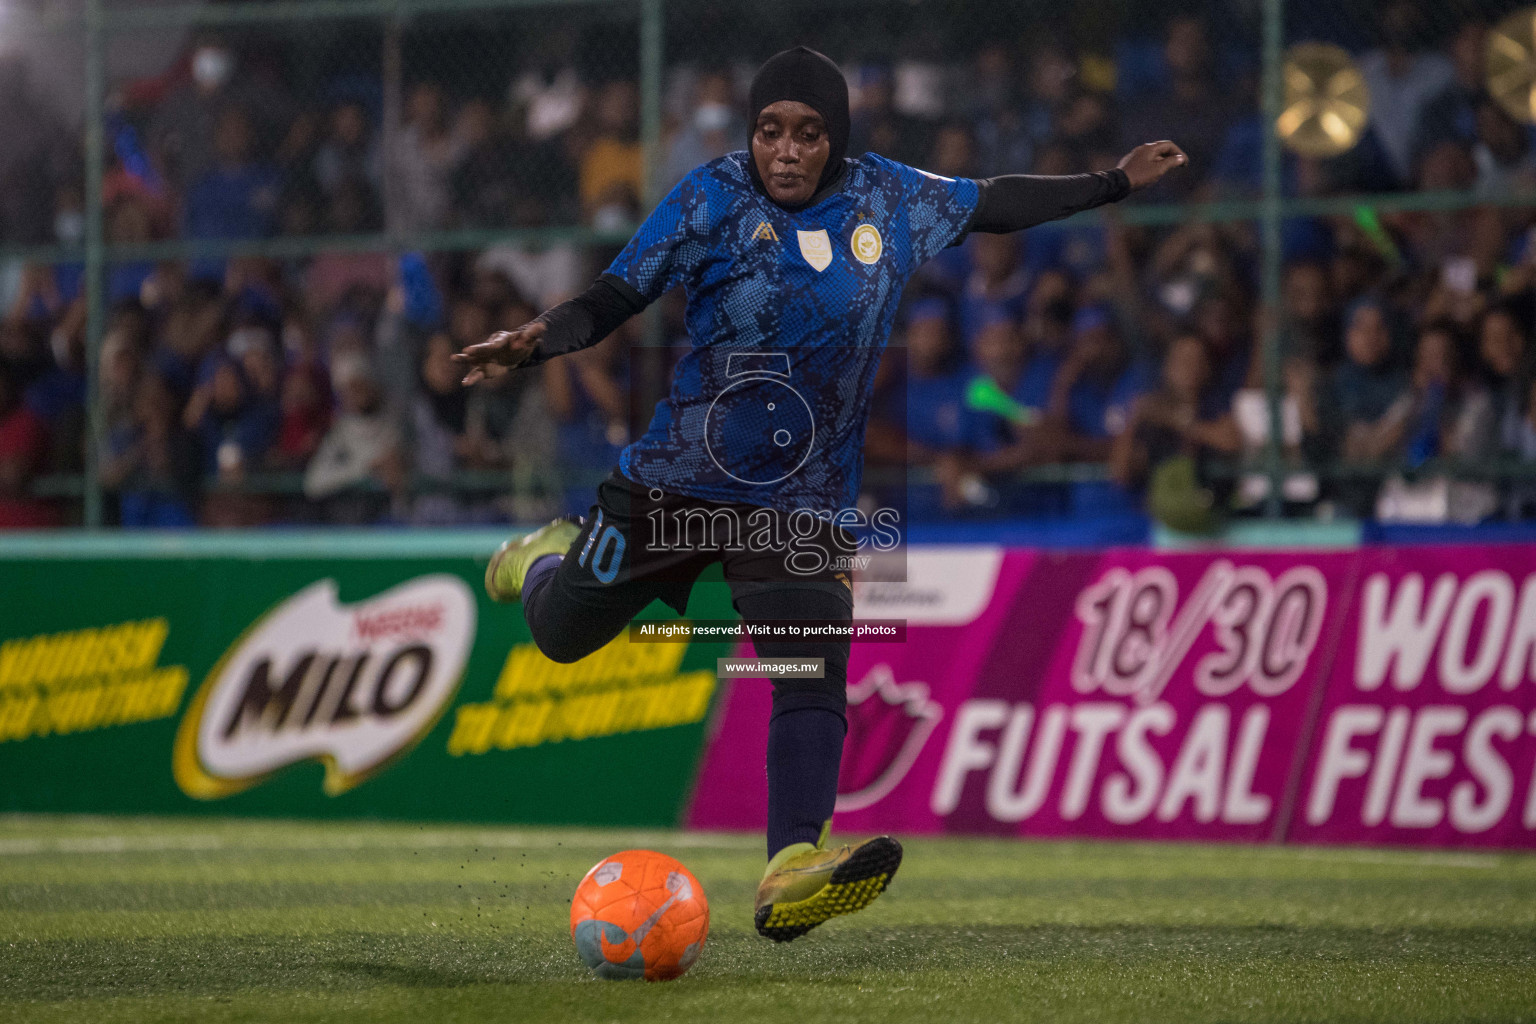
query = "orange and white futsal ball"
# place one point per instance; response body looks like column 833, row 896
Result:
column 639, row 914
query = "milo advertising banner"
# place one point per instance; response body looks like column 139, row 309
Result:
column 1381, row 695
column 269, row 677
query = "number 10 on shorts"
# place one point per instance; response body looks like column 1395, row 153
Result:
column 609, row 550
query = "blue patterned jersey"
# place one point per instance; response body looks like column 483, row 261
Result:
column 788, row 313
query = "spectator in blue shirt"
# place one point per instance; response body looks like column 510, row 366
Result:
column 237, row 197
column 935, row 384
column 995, row 447
column 1173, row 421
column 151, row 462
column 1091, row 402
column 1368, row 384
column 234, row 430
column 1093, row 392
column 995, row 288
column 920, row 412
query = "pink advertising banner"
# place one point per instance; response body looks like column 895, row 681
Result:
column 1380, row 695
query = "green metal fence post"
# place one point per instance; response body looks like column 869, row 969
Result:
column 1269, row 285
column 95, row 316
column 652, row 52
column 652, row 27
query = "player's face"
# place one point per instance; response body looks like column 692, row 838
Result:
column 790, row 147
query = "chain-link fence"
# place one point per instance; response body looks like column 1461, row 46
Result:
column 239, row 241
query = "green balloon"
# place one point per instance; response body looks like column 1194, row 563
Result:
column 983, row 395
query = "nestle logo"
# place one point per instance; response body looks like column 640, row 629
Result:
column 408, row 621
column 352, row 686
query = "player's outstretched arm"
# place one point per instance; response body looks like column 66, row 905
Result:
column 569, row 327
column 1013, row 202
column 499, row 353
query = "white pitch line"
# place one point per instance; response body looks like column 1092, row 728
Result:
column 29, row 847
column 1428, row 858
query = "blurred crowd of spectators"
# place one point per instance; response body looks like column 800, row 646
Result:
column 227, row 382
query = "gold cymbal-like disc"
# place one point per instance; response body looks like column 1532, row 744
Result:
column 1326, row 102
column 1511, row 70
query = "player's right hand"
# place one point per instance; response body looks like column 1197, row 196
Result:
column 500, row 352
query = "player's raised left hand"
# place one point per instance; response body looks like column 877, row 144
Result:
column 1146, row 164
column 499, row 353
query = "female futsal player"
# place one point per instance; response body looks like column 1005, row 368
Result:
column 794, row 257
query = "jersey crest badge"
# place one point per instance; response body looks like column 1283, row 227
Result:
column 764, row 232
column 867, row 244
column 816, row 247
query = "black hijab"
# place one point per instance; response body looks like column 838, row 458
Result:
column 808, row 77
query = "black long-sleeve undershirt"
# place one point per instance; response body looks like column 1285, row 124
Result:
column 1011, row 202
column 587, row 319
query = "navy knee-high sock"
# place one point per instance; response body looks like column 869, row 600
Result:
column 540, row 572
column 805, row 751
column 535, row 587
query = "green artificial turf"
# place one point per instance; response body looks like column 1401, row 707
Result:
column 106, row 920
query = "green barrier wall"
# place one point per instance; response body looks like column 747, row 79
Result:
column 325, row 676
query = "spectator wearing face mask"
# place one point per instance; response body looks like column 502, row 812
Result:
column 237, row 196
column 358, row 467
column 1402, row 78
column 1173, row 421
column 349, row 151
column 611, row 172
column 234, row 429
column 712, row 127
column 423, row 155
column 183, row 133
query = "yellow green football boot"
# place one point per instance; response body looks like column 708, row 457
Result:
column 805, row 885
column 511, row 562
